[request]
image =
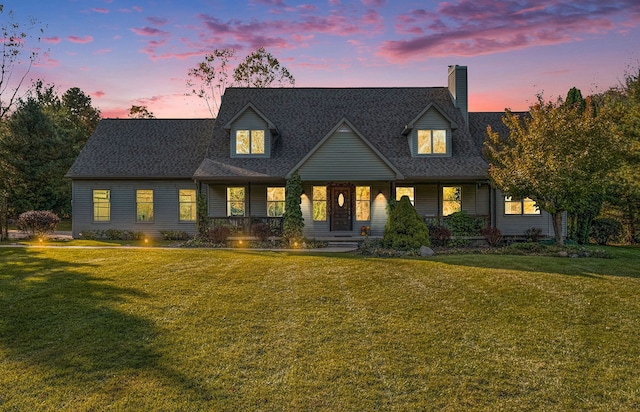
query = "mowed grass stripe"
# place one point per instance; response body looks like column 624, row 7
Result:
column 222, row 330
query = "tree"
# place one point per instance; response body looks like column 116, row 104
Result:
column 293, row 221
column 15, row 38
column 405, row 229
column 622, row 106
column 555, row 155
column 140, row 112
column 581, row 215
column 209, row 78
column 39, row 143
column 33, row 145
column 261, row 69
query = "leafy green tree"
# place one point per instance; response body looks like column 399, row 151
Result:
column 261, row 69
column 580, row 216
column 40, row 142
column 622, row 107
column 293, row 221
column 405, row 229
column 140, row 112
column 555, row 155
column 33, row 144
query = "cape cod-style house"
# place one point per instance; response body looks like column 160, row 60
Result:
column 354, row 148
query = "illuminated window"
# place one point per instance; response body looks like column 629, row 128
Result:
column 432, row 141
column 187, row 205
column 144, row 205
column 526, row 206
column 319, row 203
column 235, row 201
column 363, row 203
column 249, row 141
column 451, row 200
column 101, row 205
column 406, row 191
column 275, row 201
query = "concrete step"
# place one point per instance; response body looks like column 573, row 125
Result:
column 344, row 244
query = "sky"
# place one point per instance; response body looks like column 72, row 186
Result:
column 125, row 53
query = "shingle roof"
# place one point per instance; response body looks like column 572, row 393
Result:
column 144, row 148
column 304, row 116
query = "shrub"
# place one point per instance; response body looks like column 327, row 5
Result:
column 405, row 229
column 261, row 230
column 293, row 222
column 439, row 235
column 218, row 234
column 492, row 235
column 605, row 229
column 174, row 235
column 461, row 224
column 533, row 234
column 37, row 222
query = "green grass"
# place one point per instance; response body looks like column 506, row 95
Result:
column 152, row 329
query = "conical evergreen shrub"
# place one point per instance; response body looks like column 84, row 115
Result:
column 405, row 229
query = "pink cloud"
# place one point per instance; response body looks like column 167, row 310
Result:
column 80, row 40
column 102, row 51
column 98, row 94
column 100, row 10
column 476, row 27
column 52, row 40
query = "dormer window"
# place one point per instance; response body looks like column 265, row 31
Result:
column 432, row 142
column 250, row 142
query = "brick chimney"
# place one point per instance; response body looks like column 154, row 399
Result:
column 459, row 90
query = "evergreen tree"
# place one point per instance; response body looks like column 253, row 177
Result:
column 293, row 220
column 405, row 229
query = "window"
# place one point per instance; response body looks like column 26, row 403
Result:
column 319, row 203
column 101, row 205
column 451, row 200
column 249, row 141
column 187, row 205
column 406, row 191
column 235, row 201
column 275, row 201
column 144, row 205
column 432, row 141
column 526, row 206
column 363, row 203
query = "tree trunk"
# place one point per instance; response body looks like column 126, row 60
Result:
column 557, row 227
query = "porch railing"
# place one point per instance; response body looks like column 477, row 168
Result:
column 243, row 225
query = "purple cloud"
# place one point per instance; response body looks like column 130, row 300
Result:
column 475, row 27
column 149, row 31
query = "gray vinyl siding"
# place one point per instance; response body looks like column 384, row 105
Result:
column 258, row 199
column 426, row 199
column 515, row 225
column 250, row 120
column 431, row 120
column 345, row 156
column 123, row 206
column 218, row 200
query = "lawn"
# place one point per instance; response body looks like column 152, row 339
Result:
column 157, row 329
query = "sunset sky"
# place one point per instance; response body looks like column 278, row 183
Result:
column 125, row 53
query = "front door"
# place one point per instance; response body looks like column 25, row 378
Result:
column 341, row 208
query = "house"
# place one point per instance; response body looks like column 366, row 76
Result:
column 354, row 149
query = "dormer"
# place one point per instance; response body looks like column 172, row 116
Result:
column 429, row 134
column 251, row 133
